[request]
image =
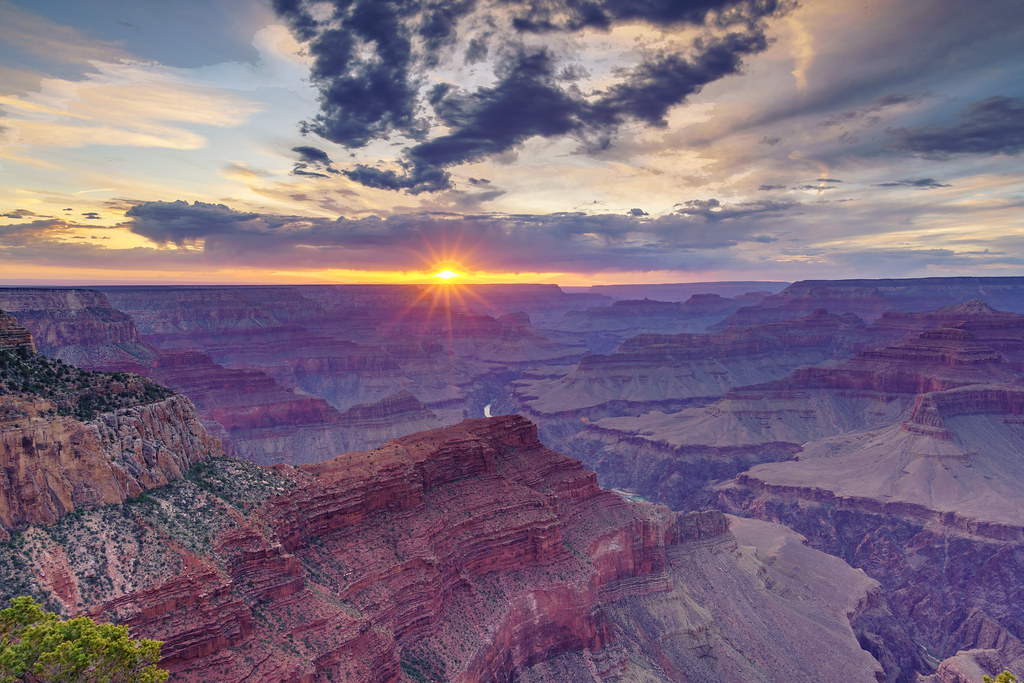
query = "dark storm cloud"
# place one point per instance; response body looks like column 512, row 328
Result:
column 370, row 60
column 312, row 155
column 312, row 162
column 991, row 126
column 637, row 212
column 574, row 242
column 920, row 183
column 652, row 88
column 92, row 215
column 544, row 16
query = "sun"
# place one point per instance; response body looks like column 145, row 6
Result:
column 446, row 275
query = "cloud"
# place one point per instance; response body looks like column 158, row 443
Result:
column 372, row 62
column 713, row 210
column 991, row 126
column 19, row 213
column 883, row 262
column 33, row 232
column 124, row 104
column 315, row 159
column 920, row 183
column 50, row 41
column 182, row 224
column 564, row 241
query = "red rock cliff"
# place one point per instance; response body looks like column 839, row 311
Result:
column 50, row 465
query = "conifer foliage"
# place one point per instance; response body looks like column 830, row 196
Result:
column 36, row 645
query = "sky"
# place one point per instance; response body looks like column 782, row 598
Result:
column 568, row 141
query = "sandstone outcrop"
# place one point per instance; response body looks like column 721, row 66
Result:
column 886, row 458
column 13, row 336
column 274, row 404
column 898, row 386
column 340, row 347
column 925, row 499
column 476, row 553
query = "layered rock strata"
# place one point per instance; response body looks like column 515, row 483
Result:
column 13, row 336
column 665, row 371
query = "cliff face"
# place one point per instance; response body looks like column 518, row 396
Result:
column 971, row 345
column 262, row 421
column 71, row 439
column 469, row 553
column 276, row 392
column 927, row 499
column 56, row 465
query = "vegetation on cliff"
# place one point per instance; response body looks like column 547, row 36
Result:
column 121, row 547
column 36, row 645
column 76, row 393
column 1005, row 677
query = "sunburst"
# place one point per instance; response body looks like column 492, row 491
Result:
column 447, row 275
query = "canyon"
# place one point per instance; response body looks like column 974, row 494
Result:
column 833, row 472
column 467, row 553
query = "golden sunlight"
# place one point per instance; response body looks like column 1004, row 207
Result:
column 446, row 275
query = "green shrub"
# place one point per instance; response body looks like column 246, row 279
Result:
column 36, row 645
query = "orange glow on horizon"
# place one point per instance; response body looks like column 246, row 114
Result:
column 14, row 273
